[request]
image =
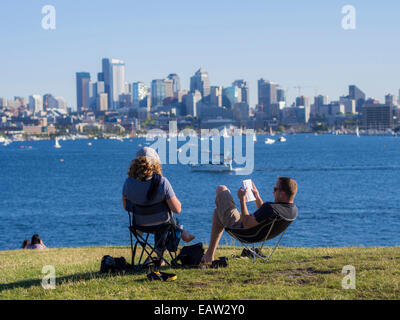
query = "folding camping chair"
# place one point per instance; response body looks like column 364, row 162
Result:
column 262, row 232
column 166, row 233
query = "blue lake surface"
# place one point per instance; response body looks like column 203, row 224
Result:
column 348, row 191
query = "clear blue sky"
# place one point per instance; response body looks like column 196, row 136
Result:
column 290, row 42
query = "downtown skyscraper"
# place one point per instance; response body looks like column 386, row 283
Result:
column 82, row 90
column 114, row 80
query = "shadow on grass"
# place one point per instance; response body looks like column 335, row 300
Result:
column 74, row 278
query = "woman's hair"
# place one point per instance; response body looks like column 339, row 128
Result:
column 142, row 169
column 35, row 239
column 25, row 244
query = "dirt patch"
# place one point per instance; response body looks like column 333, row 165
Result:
column 308, row 272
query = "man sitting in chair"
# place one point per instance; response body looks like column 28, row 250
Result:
column 226, row 215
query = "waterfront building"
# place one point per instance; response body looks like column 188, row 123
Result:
column 377, row 116
column 241, row 111
column 82, row 90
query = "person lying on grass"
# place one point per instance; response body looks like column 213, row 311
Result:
column 226, row 215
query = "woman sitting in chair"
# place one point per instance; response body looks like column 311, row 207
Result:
column 146, row 186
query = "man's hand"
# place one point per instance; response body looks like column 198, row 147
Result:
column 259, row 201
column 242, row 195
column 255, row 191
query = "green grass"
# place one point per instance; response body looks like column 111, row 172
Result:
column 292, row 273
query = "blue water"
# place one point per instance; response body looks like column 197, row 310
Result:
column 348, row 191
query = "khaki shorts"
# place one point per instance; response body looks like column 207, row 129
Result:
column 226, row 212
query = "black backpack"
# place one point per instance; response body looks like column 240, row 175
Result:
column 113, row 265
column 190, row 256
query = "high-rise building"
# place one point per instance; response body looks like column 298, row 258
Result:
column 117, row 85
column 157, row 92
column 216, row 96
column 114, row 80
column 169, row 90
column 191, row 100
column 201, row 82
column 390, row 100
column 3, row 102
column 176, row 83
column 280, row 94
column 106, row 78
column 36, row 103
column 102, row 102
column 139, row 91
column 244, row 88
column 62, row 103
column 356, row 94
column 82, row 90
column 267, row 93
column 349, row 105
column 231, row 95
column 49, row 102
column 319, row 101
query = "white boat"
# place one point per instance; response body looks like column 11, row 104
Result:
column 57, row 144
column 269, row 141
column 254, row 138
column 282, row 139
column 210, row 167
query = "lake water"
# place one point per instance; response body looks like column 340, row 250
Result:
column 348, row 191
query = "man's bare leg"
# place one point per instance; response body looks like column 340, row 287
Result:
column 216, row 232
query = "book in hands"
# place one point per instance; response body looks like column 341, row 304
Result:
column 247, row 184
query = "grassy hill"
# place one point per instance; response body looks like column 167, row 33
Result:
column 292, row 273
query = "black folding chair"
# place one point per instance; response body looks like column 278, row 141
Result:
column 165, row 232
column 262, row 232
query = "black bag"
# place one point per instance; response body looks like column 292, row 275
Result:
column 113, row 265
column 191, row 255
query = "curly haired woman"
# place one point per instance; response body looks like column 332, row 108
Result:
column 146, row 186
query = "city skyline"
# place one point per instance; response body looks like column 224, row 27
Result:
column 305, row 46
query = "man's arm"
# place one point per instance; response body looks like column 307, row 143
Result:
column 259, row 201
column 247, row 220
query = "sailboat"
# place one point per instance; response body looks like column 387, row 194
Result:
column 225, row 133
column 271, row 132
column 357, row 132
column 57, row 145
